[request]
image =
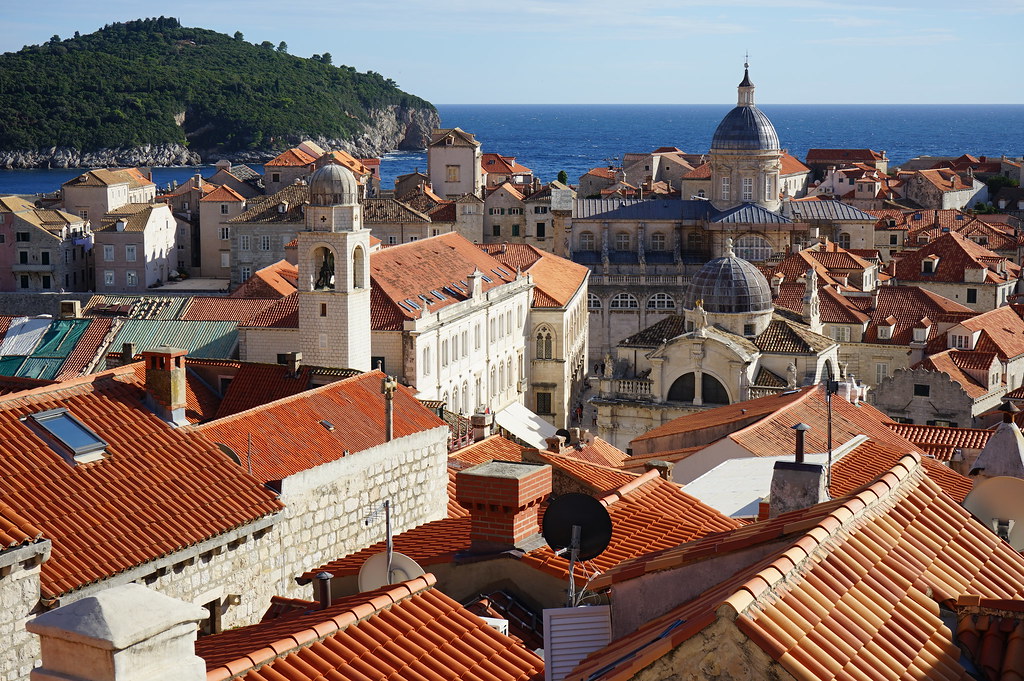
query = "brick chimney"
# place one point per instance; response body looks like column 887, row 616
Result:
column 165, row 383
column 503, row 499
column 125, row 633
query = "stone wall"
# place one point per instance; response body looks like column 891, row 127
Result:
column 29, row 304
column 19, row 596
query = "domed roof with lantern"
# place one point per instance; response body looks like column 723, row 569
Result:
column 745, row 128
column 729, row 285
column 333, row 185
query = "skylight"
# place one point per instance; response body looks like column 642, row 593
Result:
column 438, row 295
column 71, row 435
column 486, row 278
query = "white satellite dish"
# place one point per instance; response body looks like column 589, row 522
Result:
column 999, row 504
column 374, row 573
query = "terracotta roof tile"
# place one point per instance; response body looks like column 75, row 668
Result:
column 405, row 272
column 792, row 165
column 88, row 349
column 954, row 255
column 493, row 448
column 153, row 477
column 287, row 436
column 291, row 158
column 200, row 401
column 390, row 211
column 1001, row 331
column 952, row 363
column 273, row 281
column 136, row 217
column 284, row 207
column 410, row 630
column 868, row 461
column 214, row 309
column 852, row 591
column 909, row 304
column 16, row 530
column 224, row 193
column 845, row 155
column 962, row 438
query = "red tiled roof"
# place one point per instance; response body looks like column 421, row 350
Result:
column 200, row 401
column 600, row 479
column 962, row 438
column 701, row 172
column 15, row 530
column 951, row 362
column 273, row 281
column 283, row 314
column 258, row 384
column 869, row 460
column 158, row 490
column 1002, row 331
column 405, row 631
column 943, row 179
column 556, row 280
column 956, row 254
column 909, row 304
column 504, row 165
column 287, row 436
column 292, row 157
column 215, row 309
column 493, row 448
column 407, row 271
column 852, row 591
column 847, row 155
column 224, row 193
column 835, row 307
column 87, row 349
column 792, row 166
column 602, row 172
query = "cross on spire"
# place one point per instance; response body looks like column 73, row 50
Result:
column 746, row 60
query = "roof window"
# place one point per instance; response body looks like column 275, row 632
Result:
column 437, row 294
column 68, row 436
column 486, row 278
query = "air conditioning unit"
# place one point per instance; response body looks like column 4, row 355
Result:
column 498, row 624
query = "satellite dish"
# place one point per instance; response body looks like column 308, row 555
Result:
column 999, row 504
column 230, row 453
column 374, row 573
column 562, row 432
column 577, row 509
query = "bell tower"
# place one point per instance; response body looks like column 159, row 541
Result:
column 334, row 274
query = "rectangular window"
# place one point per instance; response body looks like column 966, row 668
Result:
column 496, row 230
column 108, row 253
column 108, row 277
column 22, row 236
column 726, row 189
column 426, row 361
column 881, row 372
column 452, row 173
column 129, row 253
column 768, row 194
column 515, row 230
column 84, row 214
column 959, row 342
column 47, row 282
column 44, row 257
column 747, row 189
column 225, row 233
column 225, row 258
column 465, row 343
column 245, row 271
column 323, row 309
column 275, row 177
column 392, row 240
column 70, row 434
column 265, row 242
column 23, row 281
column 223, row 210
column 541, row 230
column 244, row 242
column 543, row 403
column 131, row 278
column 972, row 295
column 22, row 257
column 922, row 390
column 893, row 240
column 841, row 334
column 476, row 337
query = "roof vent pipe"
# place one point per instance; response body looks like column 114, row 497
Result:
column 800, row 429
column 323, row 589
column 388, row 386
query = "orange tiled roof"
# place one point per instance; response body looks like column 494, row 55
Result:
column 600, row 479
column 200, row 401
column 258, row 384
column 283, row 314
column 403, row 273
column 273, row 281
column 908, row 305
column 405, row 631
column 224, row 193
column 846, row 155
column 956, row 254
column 602, row 172
column 701, row 172
column 493, row 448
column 504, row 165
column 289, row 435
column 556, row 280
column 943, row 179
column 216, row 309
column 596, row 451
column 952, row 363
column 962, row 438
column 291, row 158
column 15, row 530
column 159, row 490
column 852, row 591
column 1002, row 331
column 869, row 460
column 792, row 165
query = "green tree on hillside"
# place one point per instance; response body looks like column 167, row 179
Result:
column 282, row 47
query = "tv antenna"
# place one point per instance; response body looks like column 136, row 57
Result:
column 382, row 509
column 577, row 524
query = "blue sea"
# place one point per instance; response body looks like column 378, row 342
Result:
column 576, row 138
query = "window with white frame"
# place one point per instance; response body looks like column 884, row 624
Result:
column 841, row 334
column 225, row 233
column 223, row 210
column 225, row 258
column 130, row 253
column 881, row 372
column 593, row 302
column 753, row 248
column 622, row 241
column 661, row 301
column 586, row 241
column 245, row 272
column 623, row 301
column 108, row 253
column 131, row 278
column 959, row 341
column 726, row 189
column 108, row 277
column 244, row 242
column 426, row 361
column 747, row 189
column 658, row 241
column 265, row 242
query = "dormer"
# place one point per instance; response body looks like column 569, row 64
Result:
column 975, row 275
column 962, row 339
column 922, row 329
column 885, row 328
column 929, row 264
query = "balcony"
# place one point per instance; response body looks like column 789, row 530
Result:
column 632, row 388
column 34, row 267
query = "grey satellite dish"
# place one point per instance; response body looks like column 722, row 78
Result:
column 583, row 511
column 375, row 574
column 999, row 504
column 230, row 453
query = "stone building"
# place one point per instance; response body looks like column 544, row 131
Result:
column 93, row 194
column 454, row 163
column 729, row 345
column 216, row 208
column 43, row 250
column 135, row 247
column 942, row 188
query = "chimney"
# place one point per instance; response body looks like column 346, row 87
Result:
column 503, row 499
column 128, row 352
column 776, row 284
column 323, row 589
column 481, row 424
column 555, row 443
column 197, row 181
column 294, row 363
column 664, row 468
column 797, row 484
column 165, row 383
column 125, row 633
column 70, row 309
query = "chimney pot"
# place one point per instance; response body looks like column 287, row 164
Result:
column 323, row 589
column 664, row 468
column 294, row 363
column 165, row 383
column 481, row 424
column 555, row 443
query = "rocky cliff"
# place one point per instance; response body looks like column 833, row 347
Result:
column 391, row 128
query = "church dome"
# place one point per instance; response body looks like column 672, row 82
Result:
column 333, row 185
column 745, row 128
column 729, row 285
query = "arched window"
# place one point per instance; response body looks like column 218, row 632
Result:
column 501, row 376
column 658, row 241
column 586, row 241
column 494, row 382
column 623, row 301
column 544, row 343
column 712, row 390
column 455, row 399
column 593, row 302
column 467, row 403
column 661, row 301
column 622, row 241
column 508, row 372
column 844, row 240
column 323, row 272
column 358, row 268
column 753, row 248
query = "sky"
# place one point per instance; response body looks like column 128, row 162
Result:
column 613, row 52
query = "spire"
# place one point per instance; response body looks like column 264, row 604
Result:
column 746, row 88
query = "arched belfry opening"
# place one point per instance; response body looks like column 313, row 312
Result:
column 358, row 268
column 323, row 271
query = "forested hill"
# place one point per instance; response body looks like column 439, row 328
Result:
column 152, row 81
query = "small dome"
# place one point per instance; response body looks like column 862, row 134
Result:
column 745, row 128
column 730, row 285
column 333, row 185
